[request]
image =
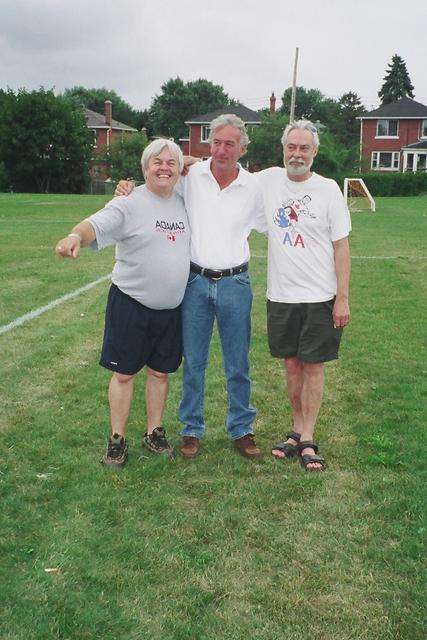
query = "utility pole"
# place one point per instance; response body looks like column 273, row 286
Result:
column 294, row 88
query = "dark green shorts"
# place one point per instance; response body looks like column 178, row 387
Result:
column 304, row 331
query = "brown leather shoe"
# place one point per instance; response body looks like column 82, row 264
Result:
column 190, row 446
column 247, row 446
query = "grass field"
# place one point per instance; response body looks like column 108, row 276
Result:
column 218, row 548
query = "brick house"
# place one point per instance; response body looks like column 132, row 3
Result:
column 104, row 130
column 197, row 144
column 394, row 137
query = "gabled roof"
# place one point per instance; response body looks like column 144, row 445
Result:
column 416, row 145
column 247, row 115
column 97, row 121
column 403, row 108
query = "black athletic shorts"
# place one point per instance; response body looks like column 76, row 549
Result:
column 135, row 336
column 305, row 331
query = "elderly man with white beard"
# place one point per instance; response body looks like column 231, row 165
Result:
column 308, row 281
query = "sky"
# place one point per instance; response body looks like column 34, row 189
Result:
column 248, row 47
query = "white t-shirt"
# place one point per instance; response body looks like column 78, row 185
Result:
column 221, row 219
column 304, row 219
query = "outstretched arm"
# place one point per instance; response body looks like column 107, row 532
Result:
column 81, row 235
column 341, row 310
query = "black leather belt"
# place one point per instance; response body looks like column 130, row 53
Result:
column 217, row 274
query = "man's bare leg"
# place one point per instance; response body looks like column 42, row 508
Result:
column 120, row 394
column 156, row 393
column 311, row 401
column 305, row 383
column 294, row 384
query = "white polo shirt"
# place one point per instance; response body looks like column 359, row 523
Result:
column 221, row 219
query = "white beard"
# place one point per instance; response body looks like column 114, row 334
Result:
column 298, row 170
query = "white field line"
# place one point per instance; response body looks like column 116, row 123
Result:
column 51, row 305
column 264, row 256
column 389, row 257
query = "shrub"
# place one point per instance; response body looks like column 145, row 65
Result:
column 391, row 184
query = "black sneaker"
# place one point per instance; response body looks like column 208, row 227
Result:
column 117, row 452
column 156, row 441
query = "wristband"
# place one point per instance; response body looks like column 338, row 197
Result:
column 75, row 235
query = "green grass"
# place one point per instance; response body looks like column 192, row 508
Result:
column 218, row 548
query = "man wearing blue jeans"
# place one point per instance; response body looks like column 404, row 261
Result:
column 224, row 204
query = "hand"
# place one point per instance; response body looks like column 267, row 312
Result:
column 341, row 313
column 68, row 247
column 124, row 188
column 188, row 161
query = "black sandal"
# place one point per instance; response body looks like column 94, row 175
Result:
column 309, row 458
column 290, row 450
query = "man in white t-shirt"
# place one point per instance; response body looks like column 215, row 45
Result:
column 308, row 281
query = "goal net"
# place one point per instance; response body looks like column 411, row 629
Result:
column 357, row 196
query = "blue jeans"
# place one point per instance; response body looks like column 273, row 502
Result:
column 229, row 300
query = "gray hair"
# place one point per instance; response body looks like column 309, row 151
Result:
column 304, row 125
column 156, row 147
column 234, row 121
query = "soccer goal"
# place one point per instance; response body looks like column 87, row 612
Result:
column 357, row 196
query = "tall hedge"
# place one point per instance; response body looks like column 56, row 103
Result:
column 391, row 184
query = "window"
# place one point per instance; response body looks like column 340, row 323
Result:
column 410, row 162
column 95, row 139
column 386, row 160
column 250, row 128
column 424, row 129
column 387, row 128
column 421, row 164
column 205, row 133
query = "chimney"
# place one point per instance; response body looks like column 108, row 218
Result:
column 108, row 110
column 272, row 103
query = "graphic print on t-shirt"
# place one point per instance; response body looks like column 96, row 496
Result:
column 170, row 228
column 287, row 217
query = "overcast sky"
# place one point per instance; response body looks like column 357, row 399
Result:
column 134, row 46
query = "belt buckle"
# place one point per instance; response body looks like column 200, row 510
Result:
column 217, row 278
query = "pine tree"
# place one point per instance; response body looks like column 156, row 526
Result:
column 397, row 83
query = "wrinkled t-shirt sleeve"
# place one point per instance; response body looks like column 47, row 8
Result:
column 109, row 223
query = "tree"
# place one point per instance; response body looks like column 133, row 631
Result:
column 397, row 83
column 346, row 127
column 179, row 101
column 4, row 182
column 124, row 156
column 265, row 149
column 334, row 158
column 310, row 104
column 94, row 99
column 44, row 143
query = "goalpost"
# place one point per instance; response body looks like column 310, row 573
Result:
column 357, row 196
